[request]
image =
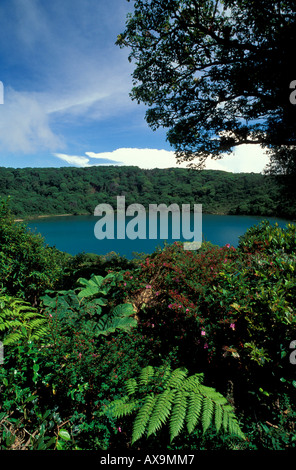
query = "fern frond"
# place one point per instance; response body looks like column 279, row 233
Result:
column 181, row 400
column 142, row 417
column 178, row 414
column 207, row 413
column 193, row 382
column 218, row 417
column 210, row 392
column 194, row 410
column 146, row 375
column 161, row 411
column 131, row 386
column 20, row 320
column 225, row 421
column 10, row 324
column 120, row 408
column 234, row 428
column 176, row 378
column 12, row 338
column 165, row 372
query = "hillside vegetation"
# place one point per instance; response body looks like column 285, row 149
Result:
column 43, row 191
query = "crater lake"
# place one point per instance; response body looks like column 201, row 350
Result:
column 75, row 234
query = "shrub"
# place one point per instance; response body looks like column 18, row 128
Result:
column 268, row 238
column 27, row 266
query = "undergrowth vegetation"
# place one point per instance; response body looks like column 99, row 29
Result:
column 176, row 350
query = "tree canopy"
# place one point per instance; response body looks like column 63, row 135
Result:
column 77, row 191
column 216, row 74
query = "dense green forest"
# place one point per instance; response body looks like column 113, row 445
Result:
column 176, row 351
column 43, row 191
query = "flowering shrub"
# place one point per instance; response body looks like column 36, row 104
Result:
column 267, row 238
column 230, row 310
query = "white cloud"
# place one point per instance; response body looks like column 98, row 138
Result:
column 24, row 124
column 73, row 159
column 245, row 159
column 143, row 158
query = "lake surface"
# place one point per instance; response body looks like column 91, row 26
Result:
column 75, row 234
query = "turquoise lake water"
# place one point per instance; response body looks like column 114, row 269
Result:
column 75, row 234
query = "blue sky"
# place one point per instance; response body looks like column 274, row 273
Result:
column 66, row 91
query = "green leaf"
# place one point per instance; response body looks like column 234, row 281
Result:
column 63, row 434
column 92, row 287
column 123, row 310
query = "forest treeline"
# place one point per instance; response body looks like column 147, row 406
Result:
column 43, row 191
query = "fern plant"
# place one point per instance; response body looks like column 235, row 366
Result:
column 19, row 320
column 174, row 398
column 89, row 309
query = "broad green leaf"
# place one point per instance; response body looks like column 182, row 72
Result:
column 63, row 434
column 123, row 310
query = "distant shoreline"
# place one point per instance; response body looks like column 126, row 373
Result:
column 32, row 217
column 36, row 217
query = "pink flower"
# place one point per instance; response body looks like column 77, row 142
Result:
column 119, row 429
column 232, row 326
column 124, row 284
column 148, row 287
column 206, row 346
column 170, row 305
column 228, row 245
column 187, row 310
column 203, row 333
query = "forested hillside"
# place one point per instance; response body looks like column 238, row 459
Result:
column 40, row 191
